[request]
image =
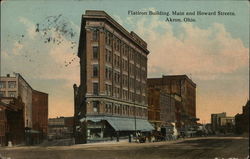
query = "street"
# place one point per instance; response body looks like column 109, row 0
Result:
column 191, row 148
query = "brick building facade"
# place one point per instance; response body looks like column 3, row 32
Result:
column 35, row 105
column 11, row 121
column 161, row 108
column 183, row 90
column 40, row 112
column 242, row 120
column 113, row 78
column 180, row 85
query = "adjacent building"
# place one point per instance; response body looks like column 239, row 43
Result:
column 111, row 99
column 161, row 108
column 40, row 112
column 11, row 121
column 35, row 105
column 183, row 90
column 242, row 120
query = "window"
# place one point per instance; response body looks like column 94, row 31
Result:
column 106, row 108
column 106, row 73
column 96, row 106
column 118, row 61
column 110, row 73
column 107, row 89
column 2, row 84
column 118, row 92
column 12, row 94
column 95, row 35
column 2, row 94
column 107, row 55
column 110, row 90
column 12, row 84
column 95, row 88
column 95, row 70
column 95, row 52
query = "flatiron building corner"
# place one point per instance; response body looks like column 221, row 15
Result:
column 111, row 99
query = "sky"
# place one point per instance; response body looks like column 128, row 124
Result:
column 39, row 40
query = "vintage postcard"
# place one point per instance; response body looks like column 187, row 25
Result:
column 116, row 79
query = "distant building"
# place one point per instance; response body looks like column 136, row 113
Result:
column 221, row 122
column 60, row 128
column 35, row 105
column 242, row 120
column 111, row 99
column 215, row 120
column 183, row 89
column 11, row 121
column 224, row 121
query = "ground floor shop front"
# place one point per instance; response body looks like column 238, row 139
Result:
column 104, row 128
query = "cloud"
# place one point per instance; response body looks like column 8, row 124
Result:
column 30, row 27
column 44, row 60
column 17, row 48
column 204, row 53
column 67, row 64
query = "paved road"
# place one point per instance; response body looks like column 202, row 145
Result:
column 192, row 148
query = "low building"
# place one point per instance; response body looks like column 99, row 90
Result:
column 14, row 86
column 215, row 120
column 40, row 113
column 60, row 127
column 222, row 123
column 35, row 105
column 227, row 124
column 11, row 121
column 242, row 120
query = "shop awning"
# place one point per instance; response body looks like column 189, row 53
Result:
column 124, row 124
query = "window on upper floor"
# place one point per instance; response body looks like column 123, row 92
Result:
column 95, row 52
column 95, row 70
column 95, row 35
column 95, row 88
column 2, row 84
column 96, row 106
column 12, row 94
column 2, row 94
column 12, row 84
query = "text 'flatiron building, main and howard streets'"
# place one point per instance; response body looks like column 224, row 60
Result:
column 111, row 100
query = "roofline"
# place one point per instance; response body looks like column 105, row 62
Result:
column 39, row 92
column 103, row 15
column 62, row 117
column 174, row 76
column 19, row 75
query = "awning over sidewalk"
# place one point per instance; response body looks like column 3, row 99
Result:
column 124, row 124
